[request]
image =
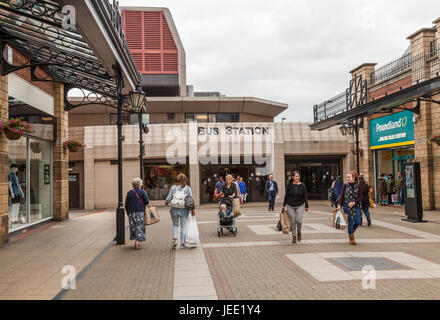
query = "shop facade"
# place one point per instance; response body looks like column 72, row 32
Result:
column 171, row 149
column 397, row 109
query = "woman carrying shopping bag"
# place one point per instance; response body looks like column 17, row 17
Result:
column 135, row 203
column 179, row 213
column 350, row 200
column 296, row 202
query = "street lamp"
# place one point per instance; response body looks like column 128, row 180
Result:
column 350, row 128
column 137, row 99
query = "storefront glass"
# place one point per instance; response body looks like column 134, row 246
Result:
column 159, row 179
column 32, row 158
column 317, row 176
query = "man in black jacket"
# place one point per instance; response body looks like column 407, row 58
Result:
column 272, row 191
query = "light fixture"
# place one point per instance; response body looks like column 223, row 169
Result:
column 137, row 99
column 343, row 130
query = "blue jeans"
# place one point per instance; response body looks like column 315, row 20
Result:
column 183, row 223
column 366, row 210
column 352, row 225
column 401, row 197
column 272, row 196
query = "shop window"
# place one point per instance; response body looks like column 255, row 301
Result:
column 189, row 117
column 201, row 117
column 30, row 182
column 171, row 116
column 223, row 117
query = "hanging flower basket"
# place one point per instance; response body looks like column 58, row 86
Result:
column 434, row 139
column 15, row 128
column 35, row 147
column 73, row 145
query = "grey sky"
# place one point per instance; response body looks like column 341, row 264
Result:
column 296, row 52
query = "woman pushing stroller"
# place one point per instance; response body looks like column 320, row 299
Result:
column 227, row 195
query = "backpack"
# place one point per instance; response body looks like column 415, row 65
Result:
column 189, row 203
column 178, row 200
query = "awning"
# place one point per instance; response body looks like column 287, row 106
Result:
column 424, row 89
column 83, row 58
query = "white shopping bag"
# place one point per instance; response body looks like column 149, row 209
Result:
column 192, row 235
column 340, row 221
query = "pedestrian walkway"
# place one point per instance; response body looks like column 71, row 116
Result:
column 260, row 263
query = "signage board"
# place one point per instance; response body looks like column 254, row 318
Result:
column 394, row 130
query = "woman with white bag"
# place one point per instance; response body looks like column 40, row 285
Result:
column 179, row 213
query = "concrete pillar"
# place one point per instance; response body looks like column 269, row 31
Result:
column 365, row 70
column 60, row 158
column 279, row 170
column 420, row 49
column 194, row 177
column 4, row 159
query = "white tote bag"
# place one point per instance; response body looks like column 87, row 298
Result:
column 340, row 221
column 192, row 235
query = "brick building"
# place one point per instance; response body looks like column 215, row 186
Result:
column 399, row 107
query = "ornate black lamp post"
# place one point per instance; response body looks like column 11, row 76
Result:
column 137, row 102
column 352, row 128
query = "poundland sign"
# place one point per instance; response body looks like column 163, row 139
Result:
column 392, row 131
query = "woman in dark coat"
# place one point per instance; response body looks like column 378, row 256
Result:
column 350, row 199
column 135, row 203
column 229, row 192
column 365, row 192
column 382, row 189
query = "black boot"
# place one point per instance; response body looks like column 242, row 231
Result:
column 369, row 222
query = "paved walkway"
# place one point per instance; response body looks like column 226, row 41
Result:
column 260, row 263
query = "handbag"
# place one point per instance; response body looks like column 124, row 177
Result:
column 285, row 222
column 237, row 208
column 192, row 235
column 150, row 213
column 189, row 203
column 151, row 216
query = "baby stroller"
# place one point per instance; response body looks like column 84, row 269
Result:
column 226, row 219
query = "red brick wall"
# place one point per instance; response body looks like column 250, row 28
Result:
column 25, row 74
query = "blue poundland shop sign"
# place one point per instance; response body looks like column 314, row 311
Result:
column 394, row 130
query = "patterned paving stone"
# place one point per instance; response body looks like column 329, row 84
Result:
column 357, row 264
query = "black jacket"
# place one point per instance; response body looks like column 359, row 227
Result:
column 296, row 195
column 275, row 186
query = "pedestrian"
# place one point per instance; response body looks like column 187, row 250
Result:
column 350, row 200
column 242, row 187
column 296, row 202
column 382, row 189
column 229, row 192
column 272, row 192
column 135, row 202
column 179, row 214
column 391, row 188
column 365, row 203
column 400, row 188
column 219, row 185
column 336, row 189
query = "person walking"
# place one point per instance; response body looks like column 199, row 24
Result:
column 272, row 192
column 391, row 188
column 219, row 185
column 296, row 202
column 243, row 191
column 350, row 200
column 178, row 212
column 135, row 202
column 382, row 189
column 365, row 203
column 229, row 192
column 336, row 189
column 400, row 188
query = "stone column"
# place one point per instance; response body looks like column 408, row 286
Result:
column 366, row 158
column 420, row 48
column 60, row 158
column 4, row 159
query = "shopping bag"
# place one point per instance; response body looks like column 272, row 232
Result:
column 151, row 216
column 237, row 207
column 285, row 222
column 372, row 204
column 279, row 228
column 340, row 222
column 394, row 198
column 192, row 234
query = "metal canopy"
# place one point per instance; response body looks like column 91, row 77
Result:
column 35, row 28
column 411, row 94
